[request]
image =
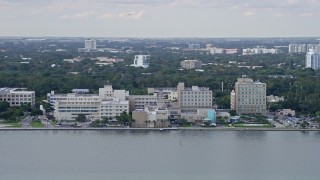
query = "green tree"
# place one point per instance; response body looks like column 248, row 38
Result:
column 233, row 112
column 4, row 106
column 81, row 118
column 36, row 112
column 125, row 119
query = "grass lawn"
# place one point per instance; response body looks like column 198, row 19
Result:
column 10, row 125
column 254, row 126
column 53, row 122
column 36, row 124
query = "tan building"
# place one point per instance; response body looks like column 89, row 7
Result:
column 249, row 97
column 193, row 98
column 141, row 101
column 191, row 64
column 17, row 96
column 152, row 117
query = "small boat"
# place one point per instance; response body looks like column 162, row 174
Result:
column 161, row 129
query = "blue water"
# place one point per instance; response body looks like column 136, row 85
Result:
column 158, row 155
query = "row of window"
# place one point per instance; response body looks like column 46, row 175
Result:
column 197, row 104
column 73, row 99
column 121, row 110
column 79, row 102
column 78, row 107
column 196, row 96
column 26, row 99
column 195, row 92
column 148, row 99
column 85, row 111
column 196, row 100
column 110, row 114
column 15, row 95
column 114, row 106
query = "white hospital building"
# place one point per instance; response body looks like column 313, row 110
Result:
column 108, row 103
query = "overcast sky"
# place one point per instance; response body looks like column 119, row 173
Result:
column 160, row 18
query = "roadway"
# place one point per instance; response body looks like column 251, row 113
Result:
column 25, row 123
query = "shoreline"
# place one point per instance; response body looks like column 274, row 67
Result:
column 155, row 129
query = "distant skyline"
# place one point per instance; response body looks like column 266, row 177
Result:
column 160, row 18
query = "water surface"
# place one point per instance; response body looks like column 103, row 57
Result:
column 158, row 155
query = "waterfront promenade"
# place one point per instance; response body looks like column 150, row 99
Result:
column 158, row 129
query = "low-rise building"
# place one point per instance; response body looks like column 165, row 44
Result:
column 286, row 112
column 151, row 117
column 17, row 96
column 200, row 116
column 274, row 99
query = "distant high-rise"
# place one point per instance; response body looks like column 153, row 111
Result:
column 141, row 61
column 303, row 48
column 194, row 46
column 249, row 97
column 90, row 44
column 191, row 64
column 297, row 48
column 313, row 59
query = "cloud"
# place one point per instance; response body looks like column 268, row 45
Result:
column 77, row 15
column 249, row 13
column 280, row 14
column 135, row 15
column 306, row 14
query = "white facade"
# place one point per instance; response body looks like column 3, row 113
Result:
column 297, row 48
column 90, row 44
column 303, row 48
column 113, row 108
column 108, row 103
column 17, row 96
column 141, row 61
column 191, row 64
column 259, row 50
column 231, row 51
column 313, row 59
column 193, row 46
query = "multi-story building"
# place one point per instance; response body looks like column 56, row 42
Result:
column 297, row 48
column 17, row 96
column 113, row 108
column 249, row 97
column 108, row 103
column 90, row 44
column 141, row 61
column 231, row 51
column 142, row 101
column 191, row 64
column 194, row 46
column 303, row 48
column 259, row 50
column 313, row 59
column 193, row 98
